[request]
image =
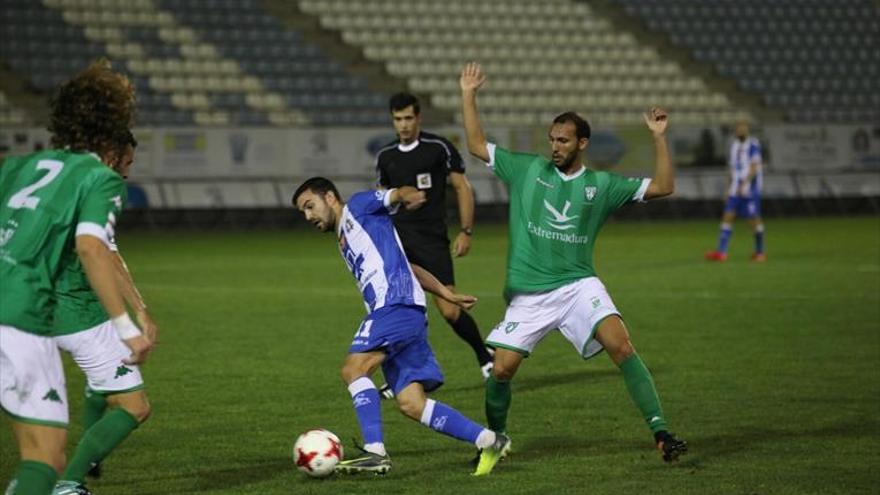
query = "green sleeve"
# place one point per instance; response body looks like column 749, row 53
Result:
column 101, row 205
column 622, row 190
column 510, row 166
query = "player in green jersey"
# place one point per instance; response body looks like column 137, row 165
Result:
column 56, row 205
column 115, row 400
column 557, row 208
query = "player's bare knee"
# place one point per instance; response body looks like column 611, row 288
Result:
column 140, row 412
column 348, row 374
column 135, row 404
column 622, row 351
column 450, row 313
column 502, row 372
column 410, row 407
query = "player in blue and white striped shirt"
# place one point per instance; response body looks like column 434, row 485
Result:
column 743, row 194
column 394, row 334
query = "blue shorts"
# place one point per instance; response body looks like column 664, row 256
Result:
column 744, row 206
column 401, row 332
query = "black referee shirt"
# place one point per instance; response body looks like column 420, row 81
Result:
column 425, row 167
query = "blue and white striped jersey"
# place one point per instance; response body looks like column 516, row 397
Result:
column 742, row 154
column 373, row 252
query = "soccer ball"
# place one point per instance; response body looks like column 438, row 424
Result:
column 316, row 452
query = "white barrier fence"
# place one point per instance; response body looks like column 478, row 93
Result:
column 260, row 167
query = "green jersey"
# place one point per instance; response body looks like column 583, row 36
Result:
column 554, row 219
column 46, row 200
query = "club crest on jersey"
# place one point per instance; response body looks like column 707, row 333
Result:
column 423, row 181
column 349, row 225
column 590, row 192
column 7, row 232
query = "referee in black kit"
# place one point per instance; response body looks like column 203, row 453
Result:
column 424, row 160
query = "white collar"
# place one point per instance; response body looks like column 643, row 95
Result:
column 408, row 147
column 573, row 176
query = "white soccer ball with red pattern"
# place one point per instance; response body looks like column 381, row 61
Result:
column 316, row 452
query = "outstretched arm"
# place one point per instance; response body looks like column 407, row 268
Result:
column 410, row 197
column 663, row 183
column 430, row 283
column 472, row 78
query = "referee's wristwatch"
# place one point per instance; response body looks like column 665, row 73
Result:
column 467, row 230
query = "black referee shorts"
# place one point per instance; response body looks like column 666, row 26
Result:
column 429, row 250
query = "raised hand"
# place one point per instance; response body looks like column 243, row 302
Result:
column 656, row 121
column 472, row 77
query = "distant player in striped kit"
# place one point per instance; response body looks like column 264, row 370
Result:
column 394, row 334
column 743, row 194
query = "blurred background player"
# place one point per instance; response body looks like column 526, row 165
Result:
column 557, row 208
column 394, row 334
column 424, row 161
column 743, row 194
column 57, row 205
column 115, row 400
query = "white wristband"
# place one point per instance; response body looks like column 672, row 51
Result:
column 125, row 327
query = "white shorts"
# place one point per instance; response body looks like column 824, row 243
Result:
column 32, row 388
column 575, row 309
column 99, row 352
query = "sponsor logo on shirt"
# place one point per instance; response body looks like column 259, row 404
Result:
column 560, row 219
column 553, row 235
column 544, row 183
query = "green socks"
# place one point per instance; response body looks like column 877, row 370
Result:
column 98, row 441
column 641, row 388
column 497, row 404
column 33, row 478
column 93, row 408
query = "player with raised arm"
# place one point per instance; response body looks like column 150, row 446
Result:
column 115, row 400
column 57, row 205
column 557, row 208
column 394, row 334
column 425, row 161
column 743, row 194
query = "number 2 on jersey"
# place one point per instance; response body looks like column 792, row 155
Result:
column 23, row 198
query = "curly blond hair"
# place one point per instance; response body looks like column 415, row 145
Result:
column 93, row 111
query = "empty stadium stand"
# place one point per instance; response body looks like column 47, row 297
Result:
column 818, row 61
column 542, row 57
column 203, row 62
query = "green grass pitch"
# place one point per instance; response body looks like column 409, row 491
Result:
column 770, row 371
